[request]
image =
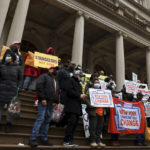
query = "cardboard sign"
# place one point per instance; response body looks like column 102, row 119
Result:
column 127, row 117
column 131, row 87
column 101, row 98
column 45, row 61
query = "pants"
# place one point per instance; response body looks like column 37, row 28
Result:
column 95, row 127
column 140, row 138
column 8, row 116
column 72, row 121
column 42, row 121
column 28, row 82
column 114, row 136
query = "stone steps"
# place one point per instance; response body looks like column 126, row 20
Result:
column 56, row 147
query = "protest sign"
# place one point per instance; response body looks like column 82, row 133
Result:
column 30, row 59
column 134, row 77
column 45, row 61
column 119, row 95
column 142, row 86
column 143, row 91
column 85, row 121
column 102, row 78
column 127, row 117
column 147, row 109
column 103, row 85
column 131, row 87
column 101, row 98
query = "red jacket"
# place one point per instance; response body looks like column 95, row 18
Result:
column 30, row 71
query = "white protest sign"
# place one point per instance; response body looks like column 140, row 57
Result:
column 131, row 87
column 134, row 77
column 103, row 85
column 142, row 86
column 101, row 98
column 147, row 109
column 85, row 121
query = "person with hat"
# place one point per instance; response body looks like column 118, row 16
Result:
column 14, row 48
column 72, row 108
column 10, row 81
column 48, row 93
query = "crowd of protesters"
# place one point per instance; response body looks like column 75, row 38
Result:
column 54, row 85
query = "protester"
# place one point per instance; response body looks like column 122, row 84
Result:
column 14, row 48
column 140, row 138
column 10, row 81
column 89, row 84
column 48, row 93
column 96, row 119
column 73, row 106
column 30, row 74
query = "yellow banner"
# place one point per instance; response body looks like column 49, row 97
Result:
column 45, row 61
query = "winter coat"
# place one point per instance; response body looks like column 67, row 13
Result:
column 46, row 88
column 62, row 77
column 30, row 71
column 73, row 92
column 10, row 80
column 90, row 110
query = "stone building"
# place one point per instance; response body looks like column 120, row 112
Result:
column 113, row 35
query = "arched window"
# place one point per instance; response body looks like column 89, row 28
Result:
column 27, row 46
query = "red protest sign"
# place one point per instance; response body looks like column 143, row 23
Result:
column 127, row 117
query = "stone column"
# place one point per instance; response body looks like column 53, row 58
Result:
column 148, row 66
column 4, row 5
column 18, row 23
column 77, row 49
column 120, row 61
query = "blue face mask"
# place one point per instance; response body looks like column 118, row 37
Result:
column 79, row 78
column 97, row 85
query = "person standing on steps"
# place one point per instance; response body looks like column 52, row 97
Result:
column 10, row 81
column 48, row 92
column 74, row 97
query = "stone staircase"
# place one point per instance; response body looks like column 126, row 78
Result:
column 22, row 128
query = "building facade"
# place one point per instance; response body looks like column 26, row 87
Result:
column 109, row 35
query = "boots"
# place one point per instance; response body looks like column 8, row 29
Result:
column 8, row 128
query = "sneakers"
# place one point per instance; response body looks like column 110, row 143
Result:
column 101, row 144
column 94, row 145
column 46, row 143
column 8, row 128
column 33, row 143
column 70, row 144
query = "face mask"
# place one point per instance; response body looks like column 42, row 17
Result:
column 97, row 85
column 79, row 78
column 8, row 59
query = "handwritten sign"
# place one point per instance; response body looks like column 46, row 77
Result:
column 101, row 98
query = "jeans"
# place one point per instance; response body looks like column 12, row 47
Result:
column 42, row 121
column 95, row 127
column 28, row 82
column 8, row 116
column 72, row 121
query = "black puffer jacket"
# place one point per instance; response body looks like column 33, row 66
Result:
column 73, row 92
column 46, row 89
column 10, row 80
